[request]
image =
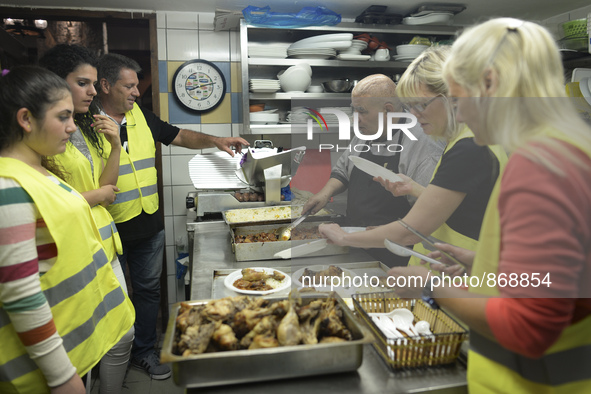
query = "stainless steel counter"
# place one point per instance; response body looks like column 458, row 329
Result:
column 212, row 250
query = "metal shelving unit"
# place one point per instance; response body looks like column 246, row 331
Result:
column 323, row 70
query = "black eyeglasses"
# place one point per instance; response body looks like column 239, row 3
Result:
column 419, row 107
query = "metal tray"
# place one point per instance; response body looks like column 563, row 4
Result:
column 266, row 250
column 242, row 366
column 271, row 214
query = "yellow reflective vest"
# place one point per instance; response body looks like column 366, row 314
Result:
column 564, row 368
column 445, row 233
column 83, row 178
column 90, row 309
column 137, row 183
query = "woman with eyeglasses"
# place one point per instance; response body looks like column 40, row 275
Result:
column 452, row 206
column 94, row 174
column 61, row 306
column 530, row 320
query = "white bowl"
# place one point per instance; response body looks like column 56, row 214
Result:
column 306, row 67
column 411, row 50
column 293, row 73
column 264, row 118
column 294, row 79
column 315, row 89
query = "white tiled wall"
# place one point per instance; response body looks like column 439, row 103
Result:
column 183, row 36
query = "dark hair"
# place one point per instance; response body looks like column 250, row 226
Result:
column 33, row 88
column 110, row 66
column 63, row 59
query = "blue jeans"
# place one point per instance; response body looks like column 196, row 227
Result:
column 144, row 259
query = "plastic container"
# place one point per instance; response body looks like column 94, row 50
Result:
column 575, row 28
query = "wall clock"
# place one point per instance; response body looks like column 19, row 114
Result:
column 199, row 85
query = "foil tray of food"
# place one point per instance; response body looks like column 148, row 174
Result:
column 260, row 242
column 244, row 339
column 270, row 214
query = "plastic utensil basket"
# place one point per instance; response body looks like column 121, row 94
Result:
column 575, row 28
column 441, row 348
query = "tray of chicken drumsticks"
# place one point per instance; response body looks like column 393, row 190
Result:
column 242, row 339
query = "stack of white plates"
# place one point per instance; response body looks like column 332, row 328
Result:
column 274, row 51
column 318, row 53
column 336, row 41
column 264, row 85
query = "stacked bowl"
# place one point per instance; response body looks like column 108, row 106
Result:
column 296, row 79
column 407, row 53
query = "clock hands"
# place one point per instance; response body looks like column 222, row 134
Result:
column 200, row 86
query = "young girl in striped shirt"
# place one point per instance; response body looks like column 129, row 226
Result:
column 61, row 306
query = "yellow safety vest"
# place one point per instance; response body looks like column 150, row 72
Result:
column 138, row 189
column 445, row 233
column 90, row 309
column 81, row 178
column 564, row 368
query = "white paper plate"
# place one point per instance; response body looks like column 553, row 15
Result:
column 344, row 56
column 230, row 279
column 374, row 170
column 298, row 274
column 400, row 250
column 302, row 250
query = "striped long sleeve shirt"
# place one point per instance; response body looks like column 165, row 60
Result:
column 27, row 250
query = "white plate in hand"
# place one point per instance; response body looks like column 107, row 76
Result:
column 284, row 284
column 302, row 250
column 403, row 251
column 374, row 170
column 353, row 229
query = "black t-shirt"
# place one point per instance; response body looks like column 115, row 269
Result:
column 147, row 225
column 470, row 169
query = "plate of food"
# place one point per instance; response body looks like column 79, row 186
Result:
column 257, row 281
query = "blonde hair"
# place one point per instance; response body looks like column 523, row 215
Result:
column 425, row 72
column 518, row 59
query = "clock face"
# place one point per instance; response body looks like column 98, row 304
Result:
column 199, row 85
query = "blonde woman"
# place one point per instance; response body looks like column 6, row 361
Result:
column 452, row 206
column 507, row 77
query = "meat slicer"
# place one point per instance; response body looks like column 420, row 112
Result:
column 217, row 177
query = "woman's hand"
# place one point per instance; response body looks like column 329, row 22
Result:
column 103, row 124
column 333, row 232
column 409, row 281
column 107, row 194
column 72, row 386
column 407, row 186
column 465, row 256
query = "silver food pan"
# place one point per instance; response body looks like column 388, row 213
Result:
column 242, row 366
column 266, row 250
column 271, row 214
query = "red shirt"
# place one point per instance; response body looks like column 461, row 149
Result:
column 546, row 229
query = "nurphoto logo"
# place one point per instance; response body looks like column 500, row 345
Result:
column 394, row 121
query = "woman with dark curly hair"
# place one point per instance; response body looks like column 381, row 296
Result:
column 94, row 175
